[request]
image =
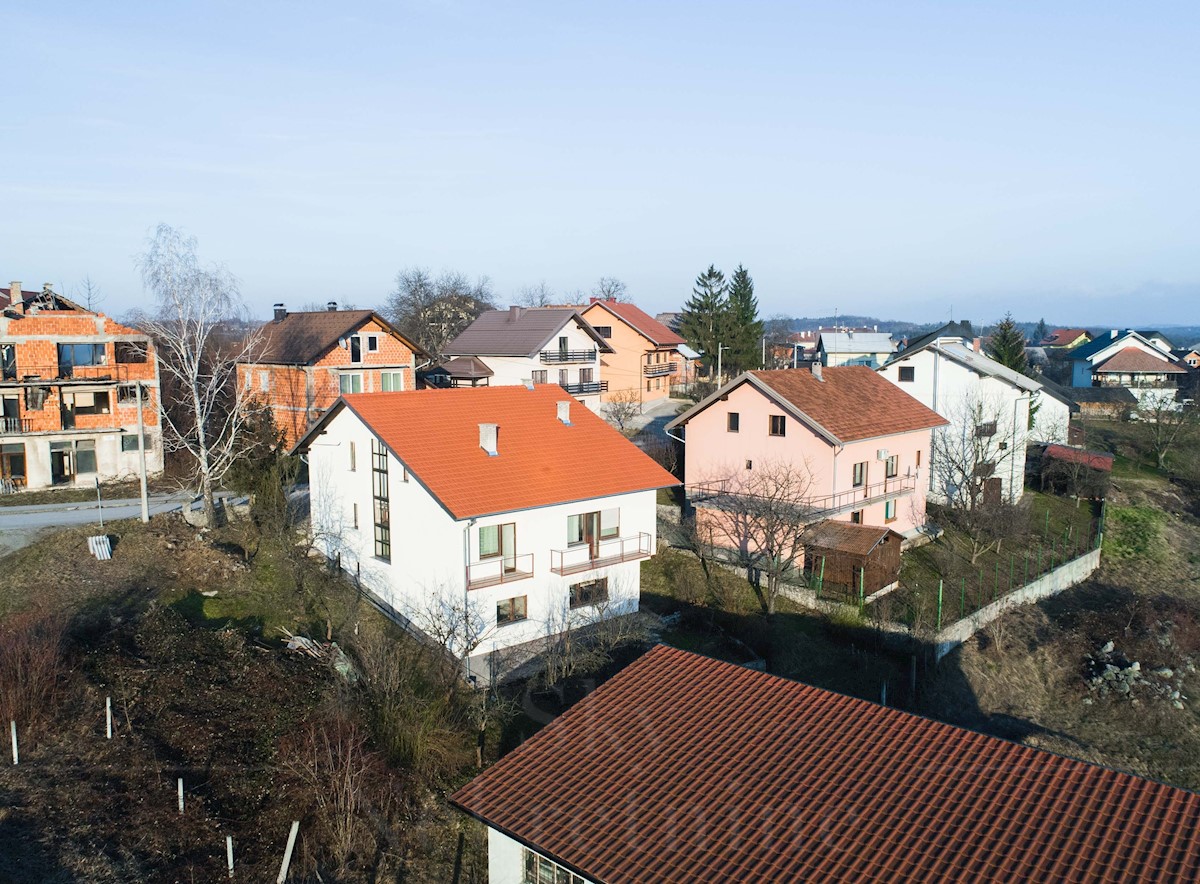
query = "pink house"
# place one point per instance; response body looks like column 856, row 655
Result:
column 859, row 443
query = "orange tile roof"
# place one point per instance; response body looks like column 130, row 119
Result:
column 1133, row 360
column 682, row 768
column 851, row 402
column 640, row 320
column 435, row 434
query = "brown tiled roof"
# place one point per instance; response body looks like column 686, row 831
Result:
column 847, row 537
column 682, row 768
column 1061, row 337
column 641, row 321
column 303, row 338
column 466, row 367
column 541, row 461
column 851, row 402
column 1133, row 360
column 517, row 331
column 1094, row 459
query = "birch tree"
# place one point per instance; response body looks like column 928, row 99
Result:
column 199, row 330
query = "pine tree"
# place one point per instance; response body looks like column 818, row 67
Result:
column 745, row 329
column 1040, row 331
column 705, row 316
column 1007, row 345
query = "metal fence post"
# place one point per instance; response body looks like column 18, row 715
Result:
column 939, row 619
column 862, row 580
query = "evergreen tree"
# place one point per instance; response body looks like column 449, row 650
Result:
column 1040, row 331
column 705, row 315
column 745, row 329
column 1007, row 345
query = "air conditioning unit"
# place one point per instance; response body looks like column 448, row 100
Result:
column 881, row 454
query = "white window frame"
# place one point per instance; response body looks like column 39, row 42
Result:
column 351, row 376
column 394, row 375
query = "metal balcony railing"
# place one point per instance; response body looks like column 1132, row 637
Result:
column 568, row 355
column 34, row 375
column 613, row 551
column 501, row 569
column 10, row 425
column 812, row 509
column 658, row 369
column 585, row 388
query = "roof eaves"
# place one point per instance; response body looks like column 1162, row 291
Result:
column 768, row 391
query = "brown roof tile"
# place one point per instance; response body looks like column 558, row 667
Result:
column 641, row 321
column 303, row 338
column 845, row 536
column 851, row 402
column 517, row 331
column 1133, row 360
column 682, row 768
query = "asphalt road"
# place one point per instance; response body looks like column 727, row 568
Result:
column 21, row 525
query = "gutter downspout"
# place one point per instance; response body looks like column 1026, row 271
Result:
column 1012, row 463
column 467, row 582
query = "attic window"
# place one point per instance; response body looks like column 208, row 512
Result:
column 778, row 425
column 604, row 331
column 372, row 343
column 907, row 374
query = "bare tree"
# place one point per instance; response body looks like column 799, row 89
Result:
column 539, row 295
column 89, row 293
column 432, row 311
column 762, row 516
column 609, row 288
column 622, row 409
column 1165, row 422
column 196, row 305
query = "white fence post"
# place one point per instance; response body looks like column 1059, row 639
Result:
column 181, row 794
column 229, row 853
column 108, row 716
column 16, row 757
column 287, row 854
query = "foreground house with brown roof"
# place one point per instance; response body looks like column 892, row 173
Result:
column 508, row 513
column 72, row 384
column 540, row 345
column 305, row 360
column 645, row 360
column 861, row 444
column 682, row 768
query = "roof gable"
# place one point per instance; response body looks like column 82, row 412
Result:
column 541, row 461
column 684, row 768
column 303, row 338
column 640, row 321
column 848, row 404
column 519, row 331
column 855, row 342
column 1134, row 360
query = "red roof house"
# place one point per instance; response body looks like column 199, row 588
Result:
column 683, row 768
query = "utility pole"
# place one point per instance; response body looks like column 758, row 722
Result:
column 721, row 348
column 141, row 431
column 764, row 353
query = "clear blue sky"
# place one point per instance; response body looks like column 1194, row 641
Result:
column 895, row 158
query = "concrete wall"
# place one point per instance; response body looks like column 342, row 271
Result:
column 1052, row 583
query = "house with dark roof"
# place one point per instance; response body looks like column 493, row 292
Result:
column 684, row 768
column 505, row 515
column 988, row 405
column 74, row 385
column 857, row 445
column 305, row 360
column 540, row 345
column 645, row 358
column 1139, row 361
column 1065, row 338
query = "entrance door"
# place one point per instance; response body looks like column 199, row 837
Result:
column 991, row 492
column 62, row 464
column 508, row 546
column 591, row 534
column 12, row 465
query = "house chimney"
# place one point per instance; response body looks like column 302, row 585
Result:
column 564, row 411
column 280, row 312
column 47, row 288
column 976, row 344
column 489, row 434
column 331, row 306
column 528, row 382
column 816, row 370
column 514, row 313
column 1114, row 334
column 14, row 292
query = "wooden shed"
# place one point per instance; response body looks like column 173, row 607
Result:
column 847, row 557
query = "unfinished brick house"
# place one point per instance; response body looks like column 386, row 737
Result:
column 307, row 359
column 70, row 383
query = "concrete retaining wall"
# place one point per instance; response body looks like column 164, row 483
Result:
column 1052, row 583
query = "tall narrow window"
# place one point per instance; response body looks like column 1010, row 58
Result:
column 889, row 511
column 379, row 494
column 562, row 377
column 355, row 348
column 892, row 466
column 353, row 458
column 732, row 421
column 860, row 474
column 585, row 375
column 355, row 514
column 778, row 425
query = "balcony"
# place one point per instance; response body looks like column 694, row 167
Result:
column 498, row 570
column 584, row 389
column 43, row 375
column 11, row 425
column 560, row 356
column 659, row 369
column 585, row 557
column 723, row 495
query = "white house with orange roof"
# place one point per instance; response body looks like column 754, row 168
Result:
column 646, row 358
column 509, row 514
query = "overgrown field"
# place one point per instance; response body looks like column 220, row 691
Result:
column 182, row 631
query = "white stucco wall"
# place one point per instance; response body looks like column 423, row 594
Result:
column 431, row 550
column 505, row 859
column 511, row 370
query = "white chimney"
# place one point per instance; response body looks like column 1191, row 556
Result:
column 528, row 382
column 564, row 411
column 816, row 370
column 488, row 436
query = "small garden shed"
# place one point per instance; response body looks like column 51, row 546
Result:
column 852, row 557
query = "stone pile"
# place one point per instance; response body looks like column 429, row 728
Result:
column 1110, row 673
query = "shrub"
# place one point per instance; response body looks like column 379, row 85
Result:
column 31, row 666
